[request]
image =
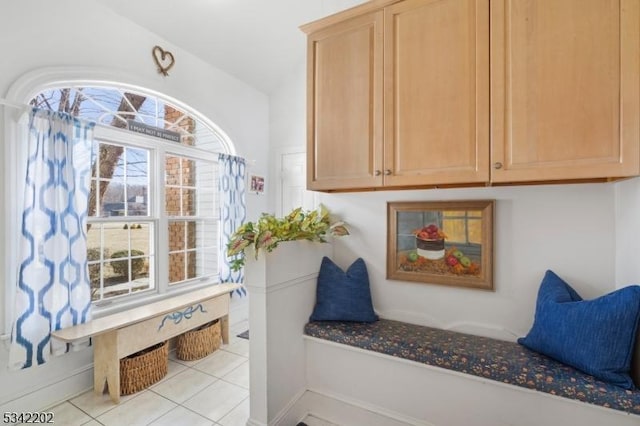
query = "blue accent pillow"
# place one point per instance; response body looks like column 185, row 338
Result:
column 343, row 296
column 596, row 336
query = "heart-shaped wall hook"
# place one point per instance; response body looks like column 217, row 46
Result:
column 163, row 59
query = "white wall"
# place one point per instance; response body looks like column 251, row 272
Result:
column 627, row 221
column 69, row 34
column 567, row 228
column 287, row 109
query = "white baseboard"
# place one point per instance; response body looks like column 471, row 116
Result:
column 341, row 410
column 51, row 394
column 287, row 416
column 283, row 418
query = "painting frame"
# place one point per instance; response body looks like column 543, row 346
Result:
column 419, row 252
column 256, row 184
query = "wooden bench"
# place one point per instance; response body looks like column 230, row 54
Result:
column 124, row 333
column 501, row 362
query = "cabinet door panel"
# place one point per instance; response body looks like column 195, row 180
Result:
column 565, row 89
column 437, row 92
column 345, row 104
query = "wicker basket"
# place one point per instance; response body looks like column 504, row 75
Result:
column 200, row 342
column 144, row 368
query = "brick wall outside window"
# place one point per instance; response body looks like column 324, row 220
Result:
column 174, row 196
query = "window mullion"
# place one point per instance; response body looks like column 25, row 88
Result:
column 129, row 261
column 185, row 237
column 162, row 232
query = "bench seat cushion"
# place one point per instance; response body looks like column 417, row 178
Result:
column 503, row 361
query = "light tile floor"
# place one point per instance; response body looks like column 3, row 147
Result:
column 210, row 391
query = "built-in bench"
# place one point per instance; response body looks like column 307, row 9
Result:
column 124, row 333
column 505, row 362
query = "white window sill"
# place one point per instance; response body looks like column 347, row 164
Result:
column 115, row 306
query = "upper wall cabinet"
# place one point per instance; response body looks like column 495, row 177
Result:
column 436, row 92
column 417, row 93
column 564, row 89
column 428, row 88
column 344, row 104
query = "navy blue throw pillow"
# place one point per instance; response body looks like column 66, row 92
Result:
column 596, row 336
column 343, row 296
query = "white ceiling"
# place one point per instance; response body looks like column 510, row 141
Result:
column 257, row 41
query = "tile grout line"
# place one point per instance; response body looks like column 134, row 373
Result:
column 177, row 404
column 74, row 405
column 206, row 387
column 228, row 412
column 166, row 412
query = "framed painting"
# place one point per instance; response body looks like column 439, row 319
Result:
column 256, row 184
column 443, row 242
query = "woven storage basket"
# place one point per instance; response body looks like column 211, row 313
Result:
column 200, row 342
column 144, row 368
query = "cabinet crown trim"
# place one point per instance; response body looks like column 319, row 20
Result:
column 370, row 6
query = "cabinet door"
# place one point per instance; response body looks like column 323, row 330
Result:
column 564, row 89
column 436, row 92
column 344, row 107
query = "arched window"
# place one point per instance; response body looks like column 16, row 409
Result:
column 153, row 224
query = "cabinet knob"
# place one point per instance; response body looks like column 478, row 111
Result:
column 377, row 173
column 387, row 172
column 497, row 165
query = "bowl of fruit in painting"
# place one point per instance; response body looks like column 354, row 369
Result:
column 430, row 242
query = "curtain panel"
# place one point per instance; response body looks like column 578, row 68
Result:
column 53, row 289
column 233, row 211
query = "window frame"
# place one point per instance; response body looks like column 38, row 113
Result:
column 21, row 91
column 158, row 149
column 197, row 217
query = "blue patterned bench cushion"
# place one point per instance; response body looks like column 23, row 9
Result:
column 484, row 357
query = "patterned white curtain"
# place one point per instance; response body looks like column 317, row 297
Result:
column 233, row 211
column 53, row 289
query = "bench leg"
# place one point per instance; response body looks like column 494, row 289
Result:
column 106, row 365
column 224, row 329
